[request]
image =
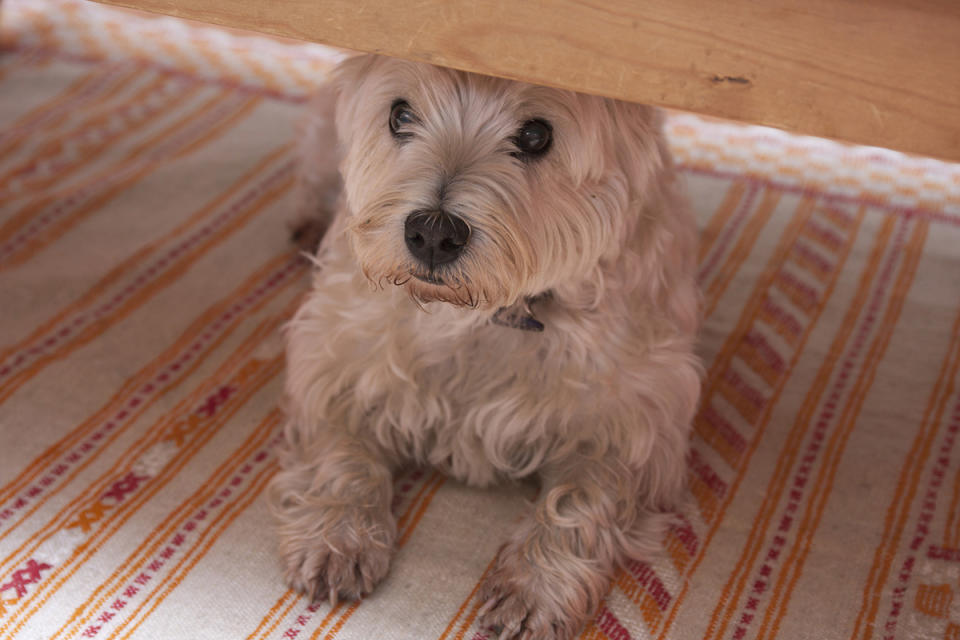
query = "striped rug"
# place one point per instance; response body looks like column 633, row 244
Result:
column 145, row 174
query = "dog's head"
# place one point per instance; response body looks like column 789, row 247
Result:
column 480, row 191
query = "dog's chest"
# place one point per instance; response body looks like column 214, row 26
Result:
column 480, row 402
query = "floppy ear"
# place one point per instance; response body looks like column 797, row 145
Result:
column 346, row 80
column 666, row 230
column 640, row 147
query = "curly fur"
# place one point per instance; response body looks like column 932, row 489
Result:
column 386, row 369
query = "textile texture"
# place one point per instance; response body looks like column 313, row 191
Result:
column 146, row 167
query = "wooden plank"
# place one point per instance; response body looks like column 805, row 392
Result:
column 880, row 72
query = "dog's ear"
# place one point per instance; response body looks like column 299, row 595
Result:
column 347, row 80
column 638, row 140
column 668, row 236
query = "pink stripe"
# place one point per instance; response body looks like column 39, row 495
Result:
column 700, row 466
column 745, row 389
column 723, row 428
column 925, row 213
column 83, row 96
column 943, row 553
column 808, row 254
column 786, row 319
column 937, row 475
column 686, row 535
column 824, row 235
column 225, row 83
column 800, row 479
column 610, row 625
column 63, row 207
column 118, row 124
column 167, row 376
column 729, row 233
column 73, row 326
column 790, row 284
column 766, row 352
column 647, row 579
column 189, row 533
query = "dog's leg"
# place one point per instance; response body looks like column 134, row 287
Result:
column 549, row 578
column 332, row 501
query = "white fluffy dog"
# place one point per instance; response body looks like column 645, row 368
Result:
column 507, row 289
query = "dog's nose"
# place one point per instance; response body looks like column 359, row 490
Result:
column 435, row 237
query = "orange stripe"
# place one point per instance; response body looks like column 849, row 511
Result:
column 476, row 607
column 209, row 537
column 88, row 299
column 326, row 620
column 11, row 226
column 157, row 432
column 764, row 283
column 343, row 619
column 252, row 493
column 737, row 580
column 950, row 531
column 286, row 612
column 46, row 590
column 403, row 539
column 136, row 381
column 435, row 478
column 40, row 111
column 720, row 218
column 129, row 264
column 420, row 511
column 463, row 606
column 172, row 275
column 26, row 214
column 40, row 241
column 272, row 612
column 906, row 488
column 793, row 567
column 745, row 243
column 677, row 551
column 639, row 596
column 87, row 151
column 707, row 501
column 249, row 378
column 716, row 442
column 160, row 534
column 53, row 146
column 753, row 358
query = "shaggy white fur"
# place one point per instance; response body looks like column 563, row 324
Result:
column 394, row 360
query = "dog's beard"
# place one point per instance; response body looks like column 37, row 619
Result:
column 489, row 274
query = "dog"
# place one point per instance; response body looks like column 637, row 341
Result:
column 506, row 290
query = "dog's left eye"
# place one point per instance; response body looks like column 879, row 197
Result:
column 533, row 138
column 401, row 116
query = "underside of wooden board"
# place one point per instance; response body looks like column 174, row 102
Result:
column 883, row 72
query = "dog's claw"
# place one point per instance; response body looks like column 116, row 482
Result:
column 334, row 596
column 487, row 606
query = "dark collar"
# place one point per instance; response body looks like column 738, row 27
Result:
column 520, row 315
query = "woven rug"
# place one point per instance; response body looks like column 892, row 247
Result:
column 145, row 174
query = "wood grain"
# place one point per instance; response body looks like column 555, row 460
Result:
column 880, row 72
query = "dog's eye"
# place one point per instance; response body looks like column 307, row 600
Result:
column 401, row 116
column 533, row 138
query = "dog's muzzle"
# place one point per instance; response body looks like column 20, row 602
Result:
column 435, row 237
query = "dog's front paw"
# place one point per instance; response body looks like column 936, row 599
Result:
column 524, row 601
column 344, row 554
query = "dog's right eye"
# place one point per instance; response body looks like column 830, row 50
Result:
column 401, row 116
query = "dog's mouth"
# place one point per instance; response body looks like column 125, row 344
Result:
column 429, row 278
